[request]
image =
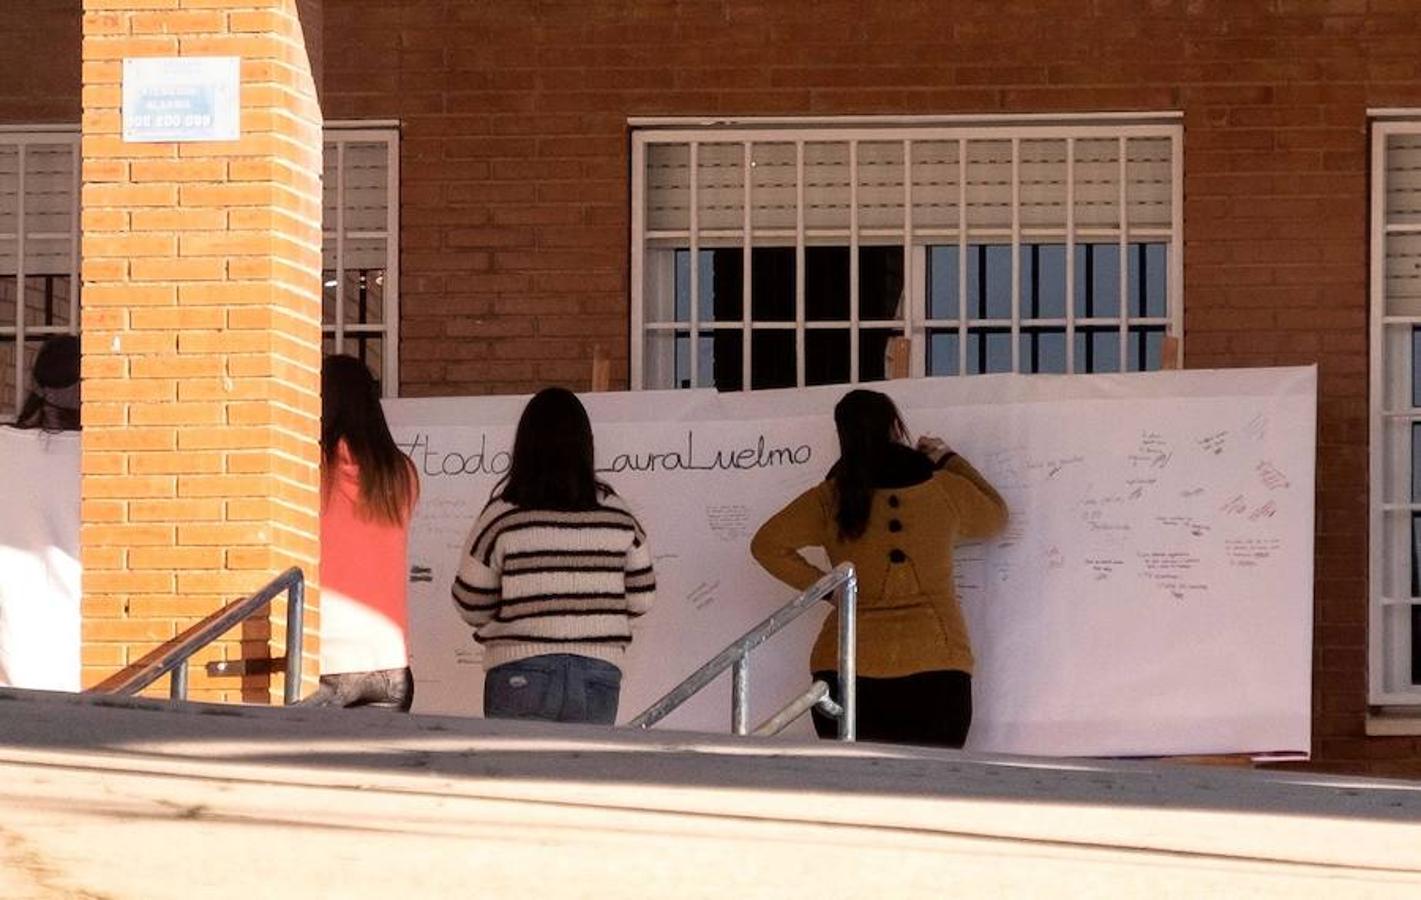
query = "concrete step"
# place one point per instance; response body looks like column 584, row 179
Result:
column 137, row 798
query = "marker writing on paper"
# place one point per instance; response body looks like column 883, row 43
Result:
column 434, row 463
column 757, row 456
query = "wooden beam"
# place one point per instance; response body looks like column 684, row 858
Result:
column 1170, row 357
column 895, row 358
column 601, row 370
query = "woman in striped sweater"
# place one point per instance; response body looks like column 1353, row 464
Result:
column 555, row 569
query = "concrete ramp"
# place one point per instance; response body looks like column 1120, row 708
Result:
column 111, row 798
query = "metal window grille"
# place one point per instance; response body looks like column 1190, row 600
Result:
column 39, row 250
column 360, row 311
column 1395, row 404
column 780, row 254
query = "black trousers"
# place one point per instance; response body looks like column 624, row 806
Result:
column 932, row 709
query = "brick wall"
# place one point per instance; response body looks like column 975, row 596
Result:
column 515, row 177
column 39, row 54
column 201, row 267
column 515, row 187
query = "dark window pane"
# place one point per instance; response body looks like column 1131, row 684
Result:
column 369, row 349
column 1043, row 281
column 706, row 371
column 772, row 363
column 873, row 352
column 1149, row 277
column 683, row 360
column 706, row 287
column 989, row 281
column 719, row 360
column 727, row 355
column 721, row 277
column 9, row 299
column 1415, row 460
column 722, row 285
column 772, row 299
column 1097, row 350
column 880, row 282
column 1415, row 368
column 826, row 356
column 1029, row 301
column 46, row 300
column 1157, row 280
column 943, row 272
column 1146, row 345
column 942, row 352
column 364, row 296
column 1134, row 277
column 329, row 285
column 1416, row 645
column 988, row 350
column 1043, row 350
column 9, row 391
column 683, row 289
column 826, row 284
column 1415, row 562
column 718, row 366
column 1097, row 281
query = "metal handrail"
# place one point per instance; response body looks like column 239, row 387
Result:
column 292, row 582
column 841, row 583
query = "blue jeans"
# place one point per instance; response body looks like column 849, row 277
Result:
column 556, row 687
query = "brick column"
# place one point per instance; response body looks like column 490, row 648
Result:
column 201, row 341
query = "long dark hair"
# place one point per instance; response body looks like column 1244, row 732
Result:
column 350, row 412
column 869, row 426
column 553, row 466
column 53, row 401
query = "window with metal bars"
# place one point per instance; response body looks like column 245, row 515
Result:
column 1395, row 528
column 39, row 251
column 988, row 246
column 39, row 248
column 360, row 247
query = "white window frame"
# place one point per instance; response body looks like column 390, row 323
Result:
column 338, row 132
column 22, row 138
column 855, row 130
column 342, row 134
column 1389, row 553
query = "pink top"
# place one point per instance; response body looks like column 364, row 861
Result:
column 364, row 567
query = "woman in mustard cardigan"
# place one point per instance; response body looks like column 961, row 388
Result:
column 894, row 512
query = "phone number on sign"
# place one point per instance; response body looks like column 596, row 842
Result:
column 172, row 120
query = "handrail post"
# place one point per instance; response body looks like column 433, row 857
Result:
column 295, row 638
column 848, row 661
column 177, row 684
column 740, row 696
column 174, row 660
column 840, row 583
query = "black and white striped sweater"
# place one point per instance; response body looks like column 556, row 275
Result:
column 536, row 581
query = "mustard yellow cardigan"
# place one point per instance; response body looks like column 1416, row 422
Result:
column 909, row 618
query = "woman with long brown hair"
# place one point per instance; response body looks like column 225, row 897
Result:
column 368, row 493
column 555, row 570
column 895, row 512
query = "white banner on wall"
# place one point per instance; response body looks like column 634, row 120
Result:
column 40, row 575
column 1152, row 594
